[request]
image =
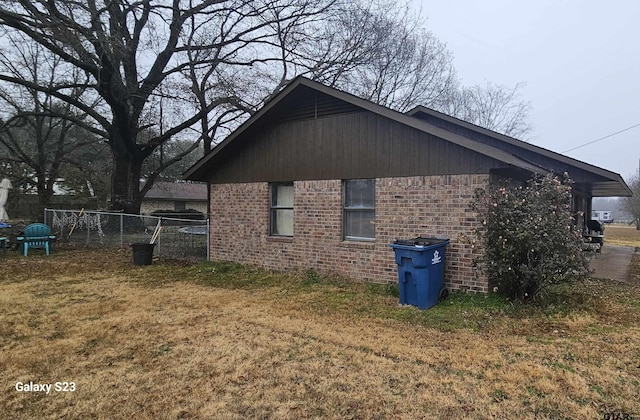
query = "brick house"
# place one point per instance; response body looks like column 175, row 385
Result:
column 176, row 196
column 321, row 179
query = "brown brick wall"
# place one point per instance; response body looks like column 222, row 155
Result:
column 405, row 207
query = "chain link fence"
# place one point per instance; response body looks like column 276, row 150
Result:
column 174, row 237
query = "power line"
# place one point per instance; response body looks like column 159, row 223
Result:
column 602, row 138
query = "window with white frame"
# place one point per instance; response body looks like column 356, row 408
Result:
column 281, row 209
column 359, row 209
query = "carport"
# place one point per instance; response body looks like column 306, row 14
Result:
column 613, row 263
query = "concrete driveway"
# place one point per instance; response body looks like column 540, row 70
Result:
column 612, row 263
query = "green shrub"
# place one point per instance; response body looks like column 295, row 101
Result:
column 530, row 237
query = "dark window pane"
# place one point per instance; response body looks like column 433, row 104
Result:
column 282, row 222
column 359, row 193
column 282, row 195
column 359, row 224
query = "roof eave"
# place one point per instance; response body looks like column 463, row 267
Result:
column 199, row 169
column 613, row 176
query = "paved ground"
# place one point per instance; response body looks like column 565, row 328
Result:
column 613, row 263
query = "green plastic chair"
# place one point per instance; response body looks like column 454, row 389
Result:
column 36, row 235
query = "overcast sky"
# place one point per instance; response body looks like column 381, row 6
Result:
column 580, row 61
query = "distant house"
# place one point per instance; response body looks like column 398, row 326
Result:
column 177, row 196
column 321, row 179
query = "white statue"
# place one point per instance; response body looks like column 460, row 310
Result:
column 5, row 184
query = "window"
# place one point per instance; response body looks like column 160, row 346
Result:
column 359, row 209
column 180, row 205
column 281, row 209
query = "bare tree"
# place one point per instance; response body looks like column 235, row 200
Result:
column 186, row 68
column 401, row 64
column 491, row 106
column 168, row 151
column 631, row 205
column 192, row 71
column 41, row 138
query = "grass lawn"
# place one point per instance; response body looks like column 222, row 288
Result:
column 219, row 340
column 625, row 235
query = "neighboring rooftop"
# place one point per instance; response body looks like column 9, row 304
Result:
column 181, row 191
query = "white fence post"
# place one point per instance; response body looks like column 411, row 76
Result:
column 121, row 230
column 208, row 240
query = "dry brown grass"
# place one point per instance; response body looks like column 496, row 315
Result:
column 171, row 341
column 625, row 235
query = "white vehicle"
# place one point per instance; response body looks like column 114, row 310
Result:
column 602, row 216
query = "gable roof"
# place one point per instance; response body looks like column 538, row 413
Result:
column 615, row 187
column 180, row 191
column 287, row 102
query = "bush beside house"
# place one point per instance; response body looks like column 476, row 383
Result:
column 530, row 237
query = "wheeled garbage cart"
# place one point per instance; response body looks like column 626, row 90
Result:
column 421, row 263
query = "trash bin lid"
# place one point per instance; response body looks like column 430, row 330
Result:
column 420, row 241
column 139, row 245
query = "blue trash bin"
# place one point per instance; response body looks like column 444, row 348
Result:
column 421, row 263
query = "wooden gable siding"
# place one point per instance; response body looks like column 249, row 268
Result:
column 342, row 146
column 306, row 103
column 578, row 175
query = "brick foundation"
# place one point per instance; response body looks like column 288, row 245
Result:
column 405, row 207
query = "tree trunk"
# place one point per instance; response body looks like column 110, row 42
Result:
column 44, row 195
column 128, row 158
column 125, row 193
column 125, row 183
